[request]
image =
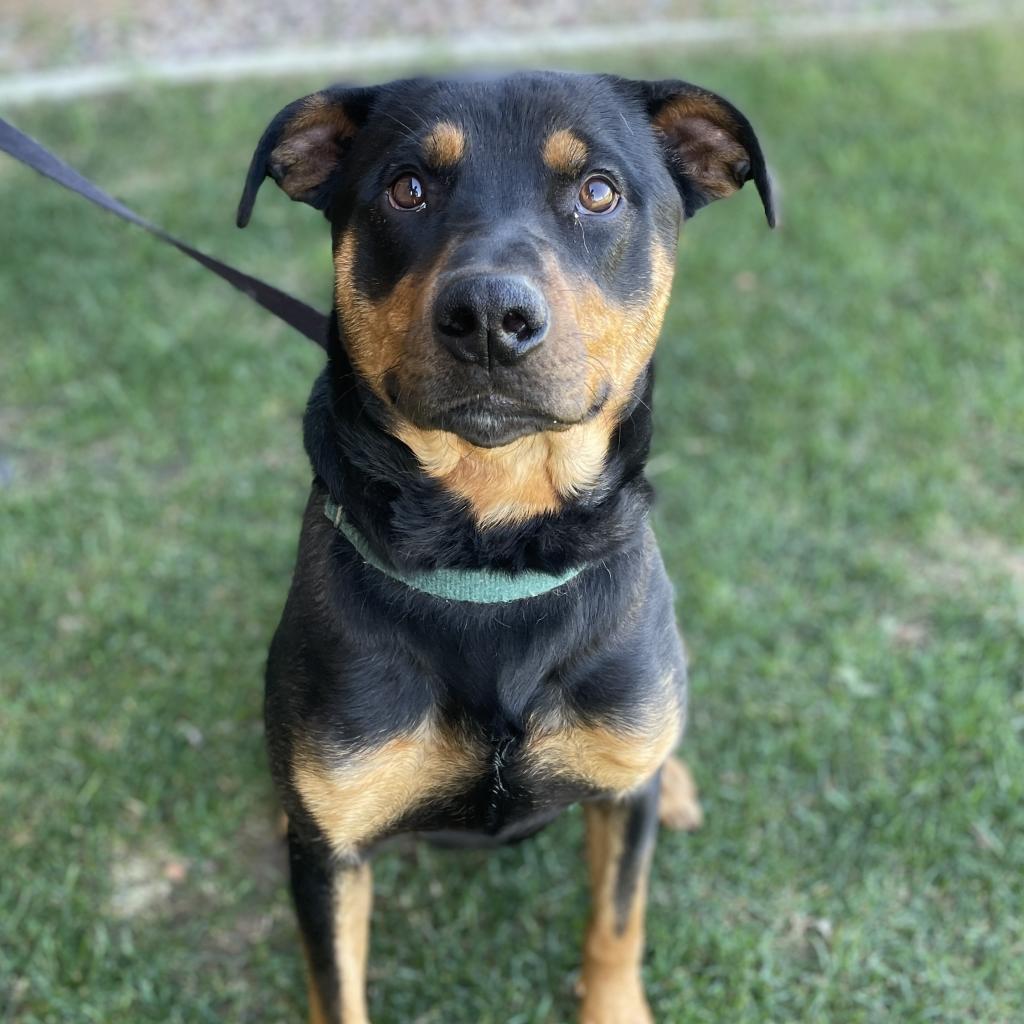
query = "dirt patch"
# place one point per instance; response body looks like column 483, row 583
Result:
column 962, row 556
column 143, row 883
column 954, row 558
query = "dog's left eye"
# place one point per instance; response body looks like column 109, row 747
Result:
column 598, row 195
column 406, row 192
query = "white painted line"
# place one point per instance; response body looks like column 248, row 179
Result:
column 478, row 47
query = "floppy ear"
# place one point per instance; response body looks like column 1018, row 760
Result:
column 303, row 147
column 711, row 147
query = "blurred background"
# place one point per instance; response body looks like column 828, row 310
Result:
column 68, row 34
column 839, row 461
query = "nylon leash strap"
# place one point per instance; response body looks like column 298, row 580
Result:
column 292, row 311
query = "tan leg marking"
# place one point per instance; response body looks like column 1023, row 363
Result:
column 351, row 905
column 613, row 760
column 610, row 982
column 678, row 805
column 353, row 902
column 316, row 1006
column 353, row 801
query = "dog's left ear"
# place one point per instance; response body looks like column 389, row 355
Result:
column 304, row 147
column 711, row 147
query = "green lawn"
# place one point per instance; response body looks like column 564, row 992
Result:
column 840, row 461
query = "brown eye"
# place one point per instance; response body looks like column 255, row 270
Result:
column 598, row 195
column 407, row 193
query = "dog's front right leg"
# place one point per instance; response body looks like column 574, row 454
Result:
column 333, row 901
column 620, row 842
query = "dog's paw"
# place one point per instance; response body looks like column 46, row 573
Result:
column 610, row 999
column 678, row 806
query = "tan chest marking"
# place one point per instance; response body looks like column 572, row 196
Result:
column 615, row 760
column 354, row 801
column 529, row 477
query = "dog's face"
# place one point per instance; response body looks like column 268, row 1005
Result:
column 503, row 248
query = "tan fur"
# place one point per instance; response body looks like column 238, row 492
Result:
column 613, row 760
column 678, row 804
column 610, row 981
column 529, row 477
column 621, row 339
column 445, row 145
column 306, row 155
column 565, row 152
column 377, row 332
column 355, row 800
column 703, row 134
column 353, row 903
column 315, row 1003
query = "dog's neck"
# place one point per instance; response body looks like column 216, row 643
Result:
column 415, row 522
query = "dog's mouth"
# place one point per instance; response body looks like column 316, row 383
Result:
column 492, row 419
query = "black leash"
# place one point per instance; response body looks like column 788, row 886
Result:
column 293, row 312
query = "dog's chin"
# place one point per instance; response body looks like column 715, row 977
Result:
column 492, row 421
column 491, row 425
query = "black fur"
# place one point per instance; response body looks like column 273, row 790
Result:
column 312, row 881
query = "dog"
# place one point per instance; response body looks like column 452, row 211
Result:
column 480, row 630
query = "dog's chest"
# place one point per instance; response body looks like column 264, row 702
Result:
column 450, row 773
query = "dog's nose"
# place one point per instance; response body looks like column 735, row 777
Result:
column 489, row 319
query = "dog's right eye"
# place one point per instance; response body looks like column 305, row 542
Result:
column 406, row 192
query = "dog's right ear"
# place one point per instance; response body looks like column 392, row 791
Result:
column 303, row 147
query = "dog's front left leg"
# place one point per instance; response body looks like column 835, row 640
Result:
column 333, row 902
column 620, row 842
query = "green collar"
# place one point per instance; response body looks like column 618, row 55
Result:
column 478, row 586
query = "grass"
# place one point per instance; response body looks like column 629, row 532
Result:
column 840, row 460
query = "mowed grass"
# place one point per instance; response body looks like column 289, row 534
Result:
column 839, row 459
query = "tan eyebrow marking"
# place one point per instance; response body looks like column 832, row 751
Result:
column 565, row 152
column 445, row 144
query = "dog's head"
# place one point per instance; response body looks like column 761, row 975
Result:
column 504, row 247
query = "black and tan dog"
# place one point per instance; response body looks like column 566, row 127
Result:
column 480, row 630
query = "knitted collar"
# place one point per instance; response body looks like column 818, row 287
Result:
column 476, row 586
